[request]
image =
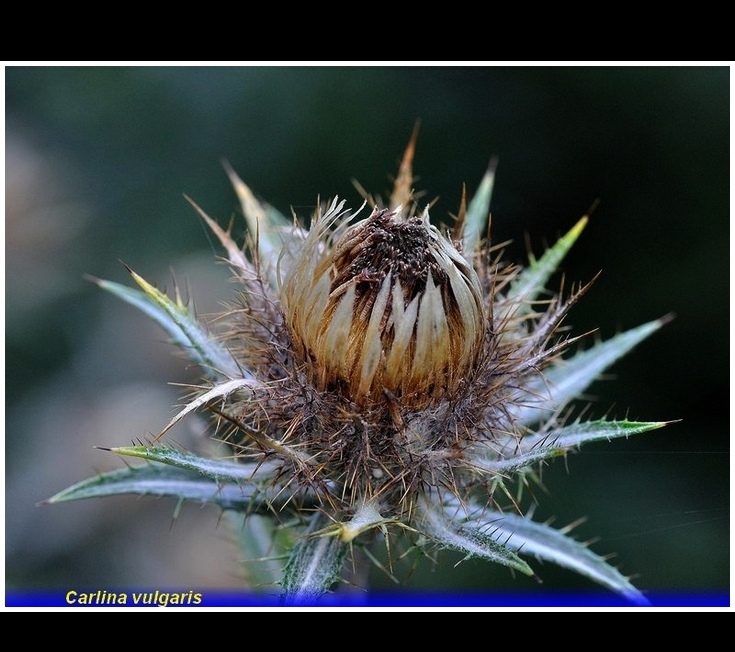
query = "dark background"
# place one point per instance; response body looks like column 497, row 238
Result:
column 98, row 160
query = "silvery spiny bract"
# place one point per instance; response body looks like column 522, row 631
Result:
column 377, row 376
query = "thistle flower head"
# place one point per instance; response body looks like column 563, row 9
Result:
column 384, row 310
column 380, row 371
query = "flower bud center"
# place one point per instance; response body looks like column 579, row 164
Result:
column 386, row 245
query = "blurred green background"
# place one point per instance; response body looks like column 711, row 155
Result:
column 98, row 160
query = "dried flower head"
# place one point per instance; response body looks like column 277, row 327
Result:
column 384, row 310
column 379, row 372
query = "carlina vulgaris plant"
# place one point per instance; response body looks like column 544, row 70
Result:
column 378, row 376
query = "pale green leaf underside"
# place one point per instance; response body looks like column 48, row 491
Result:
column 315, row 564
column 549, row 544
column 187, row 476
column 567, row 379
column 446, row 530
column 163, row 480
column 180, row 325
column 520, row 535
column 533, row 449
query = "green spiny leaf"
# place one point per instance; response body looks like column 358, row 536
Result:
column 263, row 545
column 532, row 280
column 265, row 223
column 163, row 480
column 478, row 211
column 217, row 470
column 549, row 544
column 183, row 328
column 566, row 379
column 533, row 449
column 315, row 564
column 444, row 527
